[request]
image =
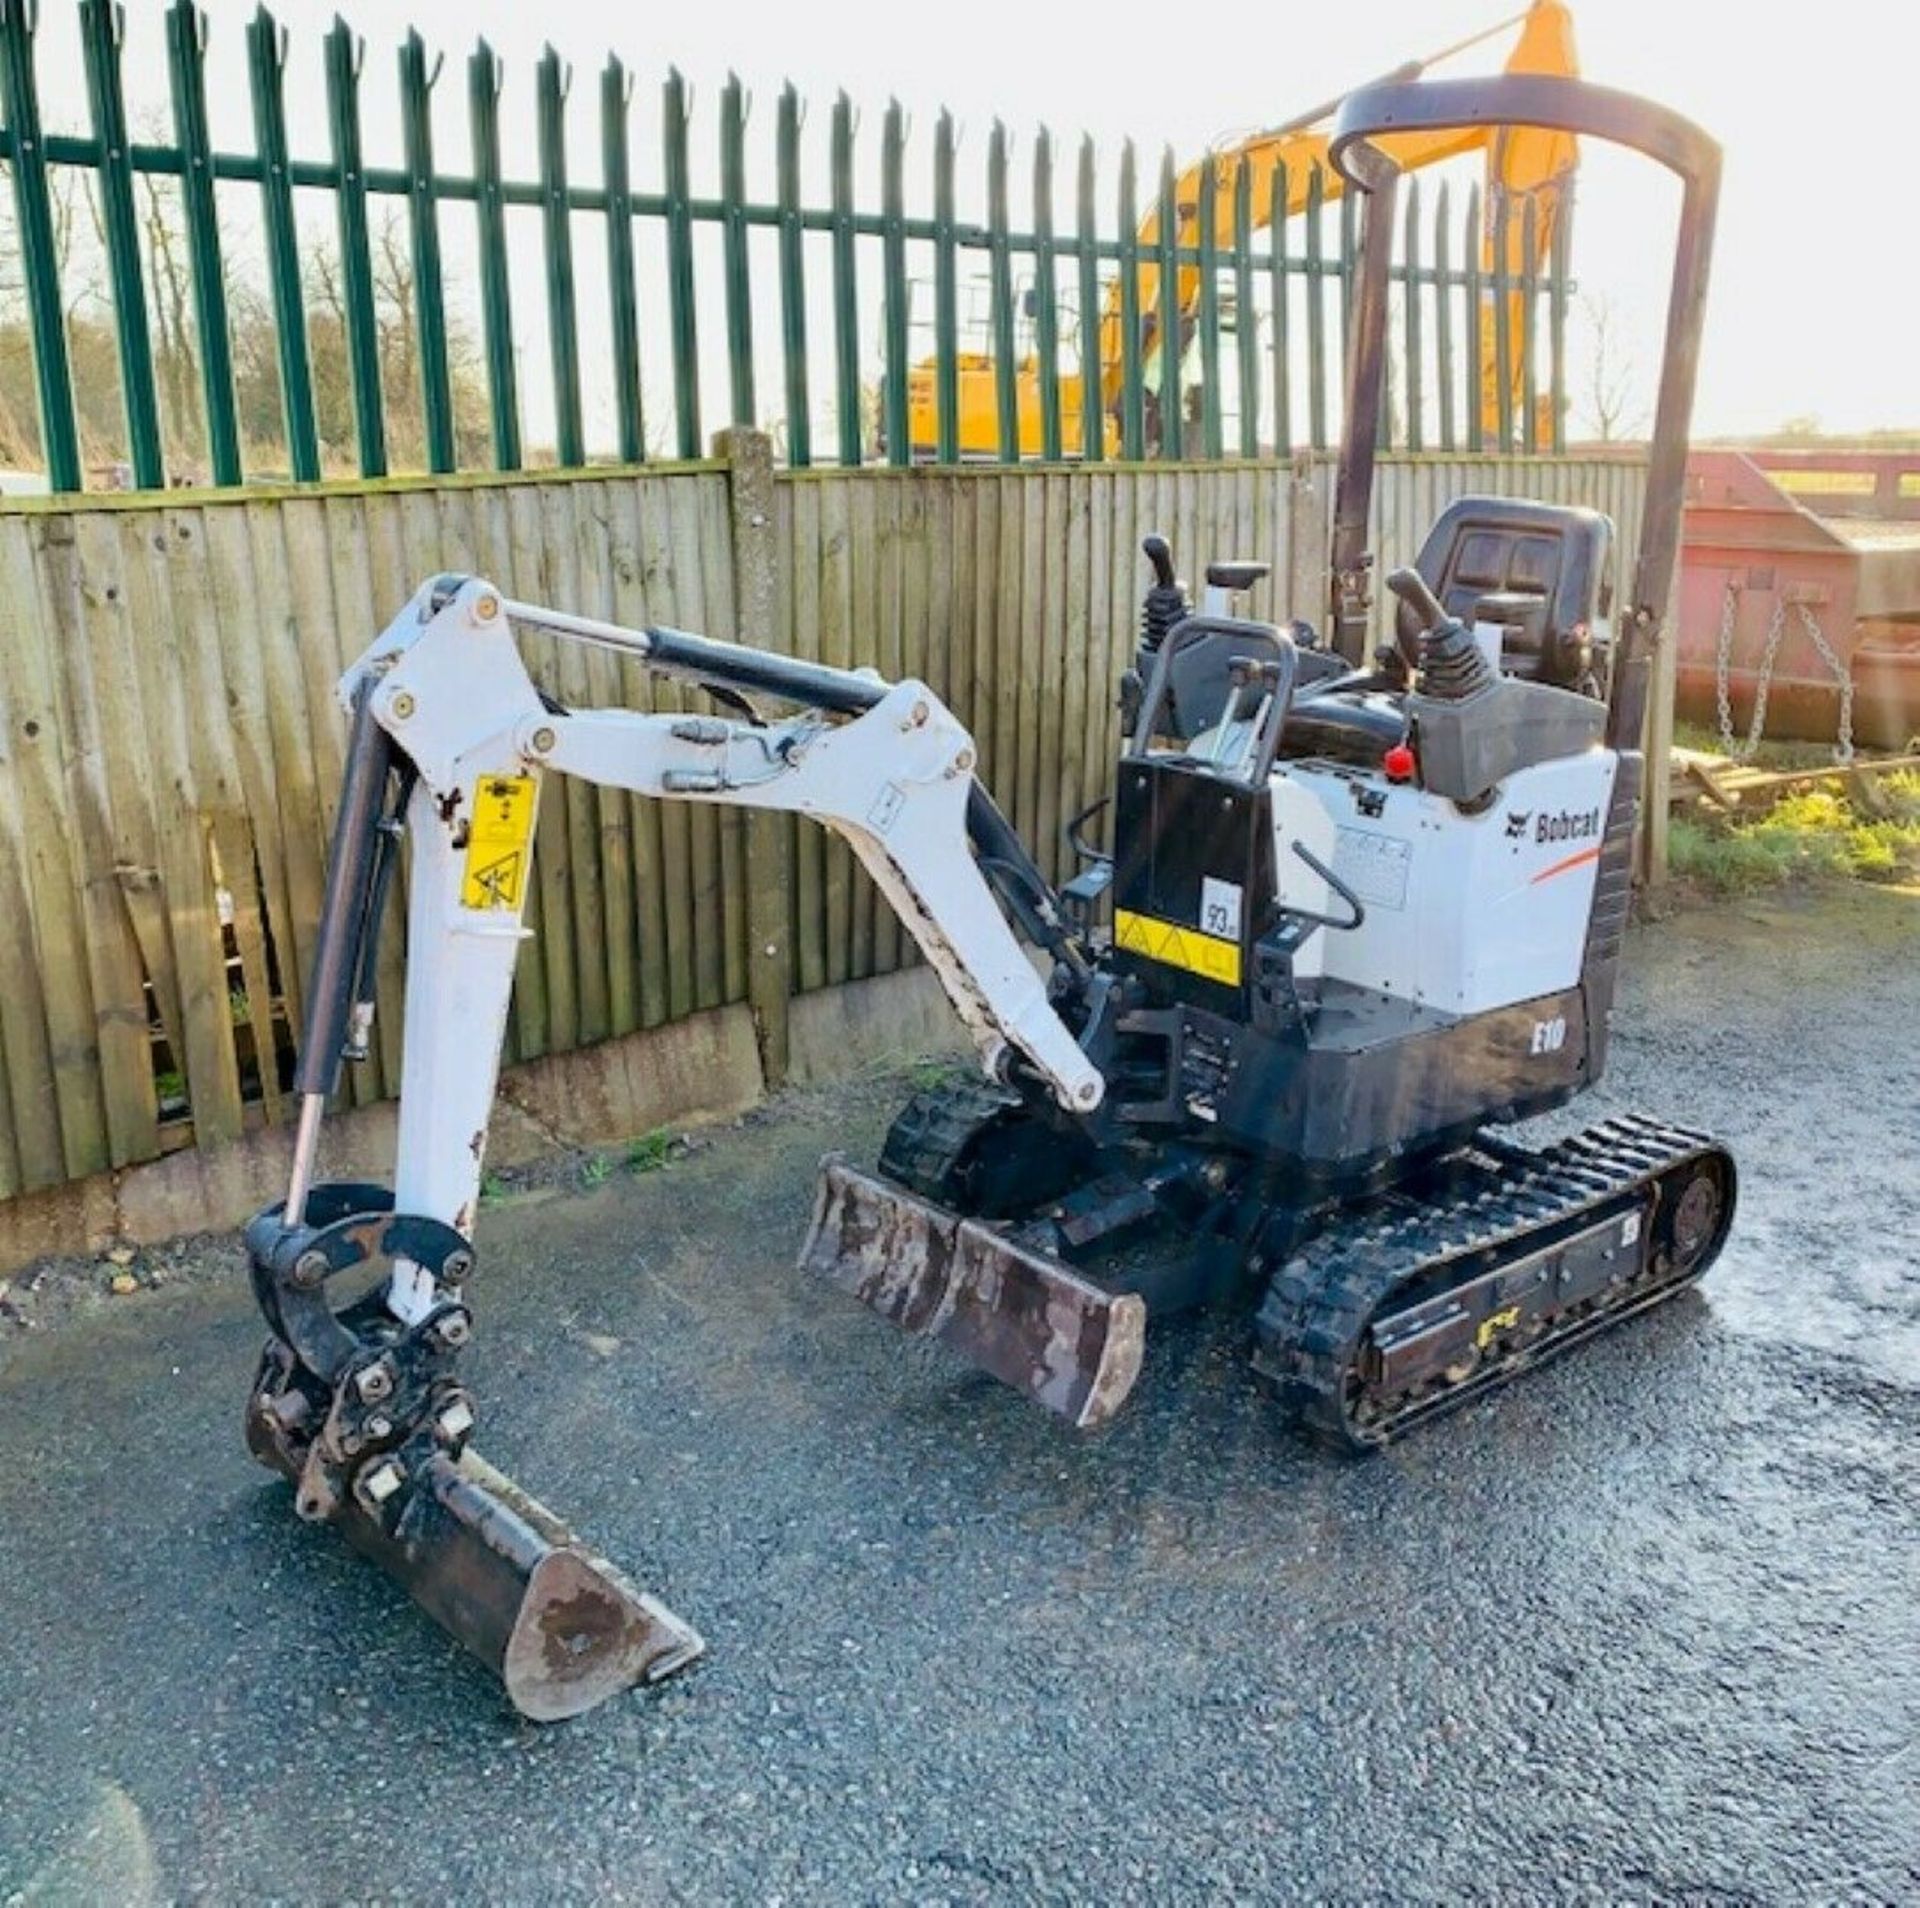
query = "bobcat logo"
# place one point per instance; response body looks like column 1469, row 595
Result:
column 1566, row 826
column 1517, row 822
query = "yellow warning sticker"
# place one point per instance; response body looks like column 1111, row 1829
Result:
column 1203, row 954
column 499, row 843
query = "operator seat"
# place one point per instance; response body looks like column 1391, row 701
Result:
column 1544, row 572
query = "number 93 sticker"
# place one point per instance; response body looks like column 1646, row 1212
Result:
column 1220, row 908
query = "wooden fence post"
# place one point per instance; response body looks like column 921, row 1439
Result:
column 749, row 458
column 1657, row 793
column 1308, row 537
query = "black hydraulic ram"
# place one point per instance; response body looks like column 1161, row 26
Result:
column 734, row 669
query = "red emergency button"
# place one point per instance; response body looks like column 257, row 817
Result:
column 1399, row 763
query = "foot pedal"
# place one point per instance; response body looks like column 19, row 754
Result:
column 1030, row 1321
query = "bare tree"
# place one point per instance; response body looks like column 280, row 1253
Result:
column 161, row 223
column 1612, row 381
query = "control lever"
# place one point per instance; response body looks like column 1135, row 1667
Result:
column 1412, row 589
column 1452, row 665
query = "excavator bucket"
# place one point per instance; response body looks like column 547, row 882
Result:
column 1021, row 1315
column 561, row 1627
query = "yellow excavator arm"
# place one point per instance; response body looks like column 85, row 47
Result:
column 1525, row 164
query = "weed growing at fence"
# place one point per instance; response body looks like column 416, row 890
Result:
column 651, row 1151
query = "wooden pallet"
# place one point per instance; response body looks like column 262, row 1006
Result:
column 1703, row 780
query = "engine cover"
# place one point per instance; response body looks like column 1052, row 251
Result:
column 1466, row 912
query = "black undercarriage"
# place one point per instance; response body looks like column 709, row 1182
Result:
column 1374, row 1309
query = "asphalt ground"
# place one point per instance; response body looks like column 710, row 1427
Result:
column 1643, row 1628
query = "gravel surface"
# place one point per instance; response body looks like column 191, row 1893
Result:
column 1641, row 1629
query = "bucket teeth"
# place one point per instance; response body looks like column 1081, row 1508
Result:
column 1030, row 1321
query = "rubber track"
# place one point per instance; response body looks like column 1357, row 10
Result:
column 1313, row 1324
column 928, row 1141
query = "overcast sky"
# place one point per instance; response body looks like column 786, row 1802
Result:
column 1814, row 296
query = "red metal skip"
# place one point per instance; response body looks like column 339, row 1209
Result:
column 1833, row 533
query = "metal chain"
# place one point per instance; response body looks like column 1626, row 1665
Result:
column 1769, row 655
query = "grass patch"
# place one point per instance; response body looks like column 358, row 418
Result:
column 651, row 1151
column 1815, row 834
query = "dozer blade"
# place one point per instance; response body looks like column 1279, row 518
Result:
column 561, row 1627
column 1030, row 1321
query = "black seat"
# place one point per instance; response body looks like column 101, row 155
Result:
column 1544, row 572
column 1240, row 573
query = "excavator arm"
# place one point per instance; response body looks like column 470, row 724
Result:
column 358, row 1403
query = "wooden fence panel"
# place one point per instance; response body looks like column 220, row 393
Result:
column 173, row 741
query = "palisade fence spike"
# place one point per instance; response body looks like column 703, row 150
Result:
column 1316, row 307
column 846, row 292
column 1093, row 421
column 616, row 100
column 1133, row 431
column 1475, row 370
column 345, row 59
column 186, row 61
column 555, row 83
column 1046, row 314
column 1280, row 297
column 1412, row 385
column 1443, row 315
column 1207, row 216
column 1000, row 289
column 417, row 81
column 103, row 39
column 1171, row 435
column 791, row 119
column 266, row 73
column 682, row 318
column 735, row 105
column 894, row 306
column 1246, row 335
column 946, row 295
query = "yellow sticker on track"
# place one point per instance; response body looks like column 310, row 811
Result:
column 1166, row 941
column 499, row 843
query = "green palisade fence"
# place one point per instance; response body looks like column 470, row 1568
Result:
column 854, row 244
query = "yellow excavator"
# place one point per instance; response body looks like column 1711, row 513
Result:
column 1525, row 164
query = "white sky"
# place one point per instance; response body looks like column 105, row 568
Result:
column 1816, row 283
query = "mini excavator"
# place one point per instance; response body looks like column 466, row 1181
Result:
column 1361, row 913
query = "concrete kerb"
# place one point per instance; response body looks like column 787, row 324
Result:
column 706, row 1067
